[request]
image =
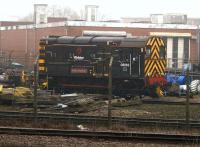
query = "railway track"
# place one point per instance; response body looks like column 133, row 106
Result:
column 101, row 134
column 99, row 120
column 167, row 102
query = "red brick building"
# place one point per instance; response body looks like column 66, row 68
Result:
column 22, row 40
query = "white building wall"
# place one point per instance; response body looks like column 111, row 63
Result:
column 180, row 52
column 157, row 18
column 91, row 13
column 169, row 51
column 40, row 13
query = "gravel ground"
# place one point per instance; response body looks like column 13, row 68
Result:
column 115, row 127
column 150, row 111
column 42, row 141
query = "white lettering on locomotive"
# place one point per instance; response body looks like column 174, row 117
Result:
column 78, row 58
column 124, row 64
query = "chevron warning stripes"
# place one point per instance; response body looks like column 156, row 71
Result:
column 155, row 66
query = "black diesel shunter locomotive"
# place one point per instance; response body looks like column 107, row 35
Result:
column 81, row 64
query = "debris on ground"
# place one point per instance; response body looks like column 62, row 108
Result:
column 69, row 95
column 81, row 127
column 61, row 106
column 22, row 92
column 17, row 92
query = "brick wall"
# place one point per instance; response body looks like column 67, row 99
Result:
column 25, row 43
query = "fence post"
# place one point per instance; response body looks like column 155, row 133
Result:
column 35, row 90
column 110, row 92
column 187, row 118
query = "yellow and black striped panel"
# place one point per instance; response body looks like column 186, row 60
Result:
column 155, row 66
column 41, row 61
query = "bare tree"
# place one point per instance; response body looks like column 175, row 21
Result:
column 29, row 17
column 58, row 11
column 66, row 12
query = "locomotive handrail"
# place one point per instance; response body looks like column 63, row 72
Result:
column 110, row 91
column 73, row 45
column 36, row 60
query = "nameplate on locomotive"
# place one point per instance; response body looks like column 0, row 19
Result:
column 79, row 70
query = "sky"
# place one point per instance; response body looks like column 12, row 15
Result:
column 112, row 9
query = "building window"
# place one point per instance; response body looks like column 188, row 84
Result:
column 175, row 52
column 186, row 50
column 162, row 52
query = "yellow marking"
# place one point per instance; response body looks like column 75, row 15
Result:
column 147, row 65
column 155, row 52
column 42, row 68
column 155, row 48
column 41, row 61
column 42, row 54
column 155, row 70
column 155, row 66
column 171, row 34
column 165, row 61
column 42, row 47
column 160, row 69
column 150, row 67
column 162, row 42
column 162, row 66
column 152, row 40
column 158, row 40
column 155, row 45
column 1, row 88
column 159, row 66
column 154, row 73
column 146, row 74
column 148, row 41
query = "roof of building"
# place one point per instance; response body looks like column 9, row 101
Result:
column 102, row 24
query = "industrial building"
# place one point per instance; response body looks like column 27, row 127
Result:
column 20, row 40
column 23, row 40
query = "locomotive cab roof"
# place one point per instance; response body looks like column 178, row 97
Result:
column 136, row 42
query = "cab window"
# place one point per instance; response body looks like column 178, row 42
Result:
column 162, row 52
column 148, row 51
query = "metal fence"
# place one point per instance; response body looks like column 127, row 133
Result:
column 179, row 66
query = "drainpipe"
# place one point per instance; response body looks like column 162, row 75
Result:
column 198, row 41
